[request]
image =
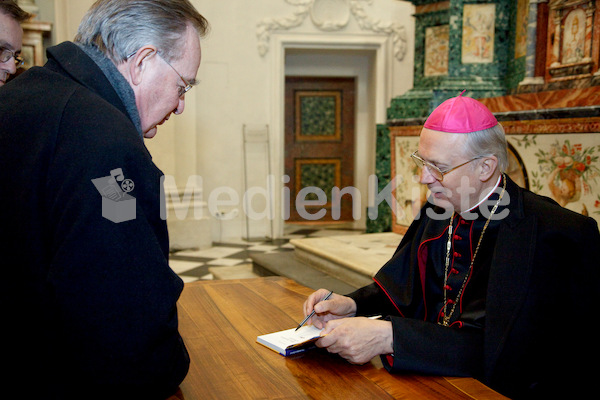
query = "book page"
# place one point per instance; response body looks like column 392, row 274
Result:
column 290, row 337
column 291, row 341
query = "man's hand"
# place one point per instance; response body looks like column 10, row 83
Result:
column 358, row 339
column 335, row 307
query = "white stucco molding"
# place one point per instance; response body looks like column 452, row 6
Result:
column 331, row 15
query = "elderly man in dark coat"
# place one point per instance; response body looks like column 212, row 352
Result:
column 490, row 280
column 88, row 298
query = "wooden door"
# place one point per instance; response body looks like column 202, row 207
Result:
column 319, row 148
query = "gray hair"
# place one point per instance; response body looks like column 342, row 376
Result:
column 119, row 28
column 488, row 142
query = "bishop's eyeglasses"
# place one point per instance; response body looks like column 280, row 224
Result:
column 6, row 54
column 433, row 169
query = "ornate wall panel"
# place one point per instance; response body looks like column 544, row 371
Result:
column 478, row 33
column 573, row 42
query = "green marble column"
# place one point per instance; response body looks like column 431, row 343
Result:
column 459, row 45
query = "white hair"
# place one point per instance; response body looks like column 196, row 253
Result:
column 119, row 28
column 488, row 142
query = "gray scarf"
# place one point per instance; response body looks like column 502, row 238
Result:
column 118, row 82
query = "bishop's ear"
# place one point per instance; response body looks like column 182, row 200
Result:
column 488, row 166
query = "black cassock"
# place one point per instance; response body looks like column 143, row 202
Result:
column 519, row 321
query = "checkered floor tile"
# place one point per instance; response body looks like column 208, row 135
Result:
column 193, row 265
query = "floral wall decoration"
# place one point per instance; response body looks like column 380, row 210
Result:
column 410, row 195
column 564, row 169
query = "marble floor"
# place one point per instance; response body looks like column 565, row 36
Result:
column 193, row 265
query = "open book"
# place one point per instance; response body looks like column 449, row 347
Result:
column 291, row 341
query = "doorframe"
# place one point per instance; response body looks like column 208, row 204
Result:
column 381, row 82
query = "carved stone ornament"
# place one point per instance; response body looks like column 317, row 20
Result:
column 331, row 15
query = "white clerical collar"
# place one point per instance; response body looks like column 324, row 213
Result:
column 486, row 197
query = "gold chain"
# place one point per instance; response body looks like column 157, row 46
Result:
column 446, row 318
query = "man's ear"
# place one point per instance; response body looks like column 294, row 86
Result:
column 488, row 166
column 138, row 63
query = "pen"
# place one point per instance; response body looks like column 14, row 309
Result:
column 312, row 313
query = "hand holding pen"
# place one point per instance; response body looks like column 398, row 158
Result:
column 313, row 312
column 337, row 307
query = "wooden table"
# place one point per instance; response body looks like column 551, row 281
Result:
column 220, row 320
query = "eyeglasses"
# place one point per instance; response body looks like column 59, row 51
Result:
column 433, row 169
column 181, row 90
column 6, row 54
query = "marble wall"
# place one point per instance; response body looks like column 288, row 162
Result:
column 473, row 38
